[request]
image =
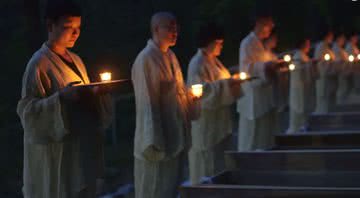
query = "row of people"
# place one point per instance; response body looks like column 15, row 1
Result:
column 64, row 124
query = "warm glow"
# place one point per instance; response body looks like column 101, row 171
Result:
column 358, row 56
column 351, row 58
column 197, row 90
column 243, row 76
column 287, row 58
column 292, row 67
column 106, row 76
column 327, row 57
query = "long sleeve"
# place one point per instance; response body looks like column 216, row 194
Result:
column 41, row 115
column 147, row 91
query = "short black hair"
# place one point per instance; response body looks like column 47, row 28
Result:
column 301, row 42
column 352, row 33
column 340, row 33
column 56, row 9
column 209, row 33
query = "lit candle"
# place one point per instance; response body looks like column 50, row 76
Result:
column 287, row 58
column 197, row 90
column 351, row 58
column 243, row 75
column 105, row 77
column 327, row 57
column 358, row 56
column 292, row 67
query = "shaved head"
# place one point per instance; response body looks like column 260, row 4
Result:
column 164, row 28
column 161, row 18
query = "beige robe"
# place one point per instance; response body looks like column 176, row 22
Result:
column 326, row 85
column 344, row 74
column 257, row 123
column 354, row 50
column 162, row 122
column 211, row 132
column 63, row 148
column 302, row 91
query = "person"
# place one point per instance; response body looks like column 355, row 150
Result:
column 341, row 58
column 352, row 49
column 257, row 123
column 211, row 133
column 270, row 44
column 63, row 124
column 326, row 85
column 302, row 91
column 351, row 45
column 164, row 109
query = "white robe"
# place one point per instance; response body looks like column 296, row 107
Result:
column 209, row 132
column 162, row 122
column 59, row 159
column 344, row 73
column 302, row 91
column 354, row 50
column 326, row 85
column 256, row 108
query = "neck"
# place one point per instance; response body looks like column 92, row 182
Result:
column 258, row 34
column 56, row 48
column 163, row 47
column 207, row 53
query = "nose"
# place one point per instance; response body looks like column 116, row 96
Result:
column 76, row 31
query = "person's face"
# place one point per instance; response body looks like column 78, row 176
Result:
column 307, row 46
column 354, row 39
column 265, row 28
column 167, row 32
column 341, row 40
column 215, row 47
column 329, row 37
column 65, row 31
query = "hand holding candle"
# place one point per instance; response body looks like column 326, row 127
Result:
column 197, row 90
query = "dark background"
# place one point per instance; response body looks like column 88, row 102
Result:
column 114, row 31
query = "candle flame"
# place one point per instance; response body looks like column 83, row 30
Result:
column 292, row 67
column 351, row 58
column 358, row 56
column 106, row 76
column 197, row 90
column 327, row 57
column 243, row 75
column 287, row 58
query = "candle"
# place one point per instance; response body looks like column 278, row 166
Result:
column 327, row 57
column 287, row 58
column 358, row 56
column 105, row 77
column 292, row 67
column 243, row 75
column 197, row 90
column 351, row 58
